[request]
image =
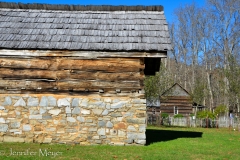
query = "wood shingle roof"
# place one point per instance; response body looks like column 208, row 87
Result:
column 83, row 28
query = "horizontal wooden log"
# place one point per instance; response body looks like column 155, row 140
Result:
column 176, row 104
column 97, row 84
column 68, row 85
column 68, row 75
column 176, row 101
column 80, row 54
column 175, row 97
column 109, row 65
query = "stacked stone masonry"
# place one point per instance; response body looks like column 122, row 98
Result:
column 81, row 120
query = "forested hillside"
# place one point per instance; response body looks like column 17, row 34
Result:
column 206, row 54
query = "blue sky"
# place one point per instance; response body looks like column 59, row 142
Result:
column 169, row 5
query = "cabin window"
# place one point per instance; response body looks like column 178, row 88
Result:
column 175, row 110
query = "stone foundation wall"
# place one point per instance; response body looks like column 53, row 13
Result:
column 72, row 119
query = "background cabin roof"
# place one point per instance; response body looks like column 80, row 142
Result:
column 95, row 28
column 176, row 90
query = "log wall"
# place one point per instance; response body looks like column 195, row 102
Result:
column 183, row 104
column 51, row 73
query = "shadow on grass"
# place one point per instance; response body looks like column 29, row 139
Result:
column 154, row 135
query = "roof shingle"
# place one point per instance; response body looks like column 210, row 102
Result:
column 79, row 28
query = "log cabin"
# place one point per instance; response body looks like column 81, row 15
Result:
column 176, row 100
column 74, row 74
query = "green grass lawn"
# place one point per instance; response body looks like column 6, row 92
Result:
column 162, row 143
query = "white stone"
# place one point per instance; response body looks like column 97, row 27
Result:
column 55, row 111
column 101, row 132
column 107, row 100
column 2, row 120
column 84, row 111
column 71, row 119
column 63, row 102
column 2, row 108
column 118, row 104
column 38, row 116
column 80, row 119
column 27, row 127
column 20, row 103
column 121, row 133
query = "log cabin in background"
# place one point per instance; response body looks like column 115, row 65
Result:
column 74, row 74
column 176, row 100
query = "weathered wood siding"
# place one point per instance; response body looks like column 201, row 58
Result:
column 51, row 73
column 183, row 104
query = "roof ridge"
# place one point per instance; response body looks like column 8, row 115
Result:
column 39, row 6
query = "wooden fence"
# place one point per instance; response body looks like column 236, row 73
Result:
column 221, row 122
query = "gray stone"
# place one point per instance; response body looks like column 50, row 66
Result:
column 42, row 110
column 141, row 136
column 109, row 124
column 118, row 104
column 15, row 125
column 39, row 116
column 136, row 120
column 128, row 114
column 8, row 101
column 46, row 117
column 80, row 119
column 20, row 103
column 75, row 102
column 131, row 135
column 89, row 120
column 12, row 139
column 108, row 106
column 129, row 141
column 142, row 128
column 71, row 119
column 71, row 130
column 3, row 127
column 101, row 123
column 131, row 128
column 68, row 109
column 101, row 131
column 139, row 101
column 52, row 102
column 76, row 110
column 2, row 120
column 116, row 100
column 97, row 111
column 32, row 102
column 105, row 112
column 43, row 101
column 55, row 111
column 2, row 108
column 63, row 102
column 27, row 127
column 116, row 114
column 143, row 142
